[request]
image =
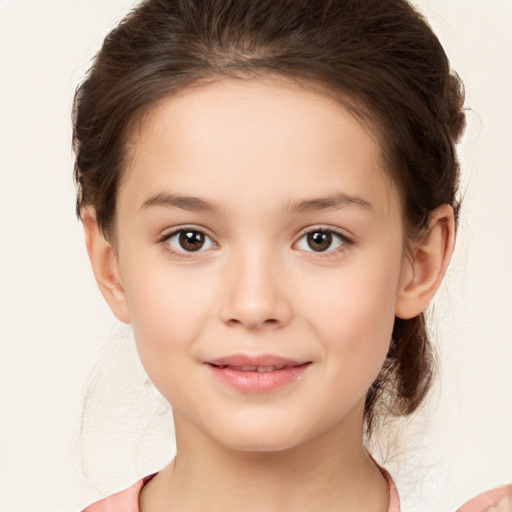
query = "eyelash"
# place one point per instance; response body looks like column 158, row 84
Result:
column 183, row 254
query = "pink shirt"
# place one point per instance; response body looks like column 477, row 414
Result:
column 497, row 500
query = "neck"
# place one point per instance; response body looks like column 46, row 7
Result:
column 330, row 473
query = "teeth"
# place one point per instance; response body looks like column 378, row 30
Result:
column 266, row 369
column 259, row 369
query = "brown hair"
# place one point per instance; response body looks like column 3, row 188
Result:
column 379, row 58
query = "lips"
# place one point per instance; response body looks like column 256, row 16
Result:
column 257, row 374
column 252, row 362
column 261, row 369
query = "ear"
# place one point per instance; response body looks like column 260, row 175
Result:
column 105, row 266
column 425, row 267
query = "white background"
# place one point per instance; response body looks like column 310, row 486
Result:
column 57, row 337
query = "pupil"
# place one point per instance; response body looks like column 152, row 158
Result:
column 191, row 240
column 319, row 240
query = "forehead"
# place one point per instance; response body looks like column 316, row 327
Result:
column 245, row 133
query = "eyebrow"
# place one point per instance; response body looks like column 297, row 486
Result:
column 197, row 204
column 332, row 202
column 190, row 203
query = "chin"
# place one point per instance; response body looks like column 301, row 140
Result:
column 262, row 436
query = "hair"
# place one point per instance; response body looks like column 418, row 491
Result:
column 378, row 58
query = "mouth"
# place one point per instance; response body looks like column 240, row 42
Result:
column 259, row 369
column 257, row 374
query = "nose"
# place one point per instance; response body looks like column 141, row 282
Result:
column 254, row 292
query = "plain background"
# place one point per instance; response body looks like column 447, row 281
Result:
column 57, row 336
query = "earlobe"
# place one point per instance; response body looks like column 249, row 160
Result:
column 105, row 266
column 425, row 268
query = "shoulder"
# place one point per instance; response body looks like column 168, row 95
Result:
column 124, row 501
column 496, row 500
column 394, row 500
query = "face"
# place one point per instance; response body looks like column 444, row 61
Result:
column 259, row 248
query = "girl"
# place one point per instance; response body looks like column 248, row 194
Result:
column 269, row 196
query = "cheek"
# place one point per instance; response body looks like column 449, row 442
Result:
column 168, row 313
column 354, row 317
column 357, row 299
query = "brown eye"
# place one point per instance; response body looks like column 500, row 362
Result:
column 189, row 240
column 322, row 240
column 319, row 240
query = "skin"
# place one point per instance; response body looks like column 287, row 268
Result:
column 258, row 286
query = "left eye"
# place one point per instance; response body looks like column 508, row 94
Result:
column 189, row 240
column 321, row 240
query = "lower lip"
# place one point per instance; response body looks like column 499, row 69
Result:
column 259, row 382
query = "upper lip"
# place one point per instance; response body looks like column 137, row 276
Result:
column 264, row 360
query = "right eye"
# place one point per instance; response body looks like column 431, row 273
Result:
column 188, row 240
